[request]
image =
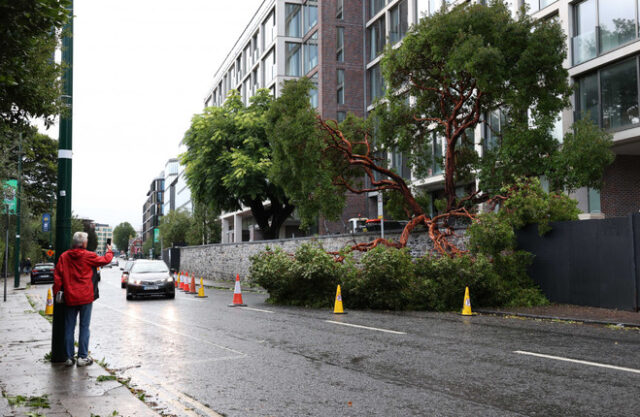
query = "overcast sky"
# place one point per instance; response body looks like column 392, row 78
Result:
column 141, row 70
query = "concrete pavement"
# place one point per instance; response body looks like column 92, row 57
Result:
column 55, row 390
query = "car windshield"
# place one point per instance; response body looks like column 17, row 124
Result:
column 149, row 267
column 128, row 266
column 45, row 266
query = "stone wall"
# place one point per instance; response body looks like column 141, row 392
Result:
column 224, row 261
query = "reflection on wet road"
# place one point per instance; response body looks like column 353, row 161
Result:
column 200, row 357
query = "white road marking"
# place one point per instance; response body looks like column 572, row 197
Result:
column 169, row 329
column 560, row 358
column 365, row 327
column 256, row 309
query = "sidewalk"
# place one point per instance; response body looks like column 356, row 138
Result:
column 25, row 339
column 589, row 315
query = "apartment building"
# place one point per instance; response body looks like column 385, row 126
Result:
column 171, row 170
column 152, row 209
column 322, row 40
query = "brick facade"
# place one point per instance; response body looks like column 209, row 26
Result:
column 620, row 195
column 353, row 67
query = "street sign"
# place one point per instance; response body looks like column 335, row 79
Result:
column 156, row 235
column 46, row 222
column 10, row 187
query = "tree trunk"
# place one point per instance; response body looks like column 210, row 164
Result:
column 449, row 175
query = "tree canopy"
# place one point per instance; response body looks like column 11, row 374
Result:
column 29, row 77
column 228, row 158
column 121, row 235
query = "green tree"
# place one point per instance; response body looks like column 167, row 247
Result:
column 174, row 228
column 206, row 226
column 227, row 160
column 121, row 235
column 463, row 64
column 29, row 78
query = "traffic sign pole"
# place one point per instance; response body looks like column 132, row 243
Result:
column 16, row 249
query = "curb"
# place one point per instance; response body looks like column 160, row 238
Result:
column 535, row 316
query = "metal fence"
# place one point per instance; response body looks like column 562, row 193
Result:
column 590, row 262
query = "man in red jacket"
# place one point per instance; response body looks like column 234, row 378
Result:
column 73, row 274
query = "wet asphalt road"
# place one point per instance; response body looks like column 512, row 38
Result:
column 200, row 357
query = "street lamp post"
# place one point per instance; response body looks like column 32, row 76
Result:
column 63, row 217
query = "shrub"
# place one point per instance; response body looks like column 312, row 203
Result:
column 384, row 280
column 309, row 278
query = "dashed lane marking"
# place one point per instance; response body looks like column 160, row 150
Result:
column 257, row 309
column 581, row 362
column 365, row 327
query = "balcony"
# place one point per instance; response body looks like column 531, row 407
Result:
column 585, row 46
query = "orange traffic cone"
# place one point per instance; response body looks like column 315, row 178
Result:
column 184, row 286
column 48, row 310
column 237, row 294
column 201, row 291
column 176, row 281
column 192, row 288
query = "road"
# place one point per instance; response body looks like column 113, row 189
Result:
column 201, row 357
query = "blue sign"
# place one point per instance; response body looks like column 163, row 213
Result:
column 46, row 222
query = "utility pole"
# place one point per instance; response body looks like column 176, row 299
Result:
column 16, row 249
column 63, row 210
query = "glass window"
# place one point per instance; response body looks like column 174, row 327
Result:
column 588, row 97
column 545, row 3
column 269, row 67
column 268, row 30
column 585, row 22
column 617, row 22
column 341, row 116
column 437, row 154
column 375, row 6
column 619, row 84
column 493, row 126
column 340, row 44
column 376, row 83
column 311, row 53
column 340, row 82
column 376, row 38
column 398, row 18
column 310, row 17
column 293, row 20
column 594, row 200
column 340, row 9
column 313, row 94
column 292, row 59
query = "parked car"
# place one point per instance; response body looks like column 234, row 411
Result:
column 125, row 274
column 42, row 272
column 148, row 277
column 373, row 225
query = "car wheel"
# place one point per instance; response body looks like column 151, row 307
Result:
column 129, row 296
column 171, row 296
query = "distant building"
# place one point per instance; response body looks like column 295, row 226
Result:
column 171, row 170
column 152, row 209
column 135, row 246
column 103, row 232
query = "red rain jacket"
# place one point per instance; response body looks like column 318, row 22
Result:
column 74, row 274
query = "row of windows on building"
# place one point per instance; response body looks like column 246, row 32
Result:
column 600, row 26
